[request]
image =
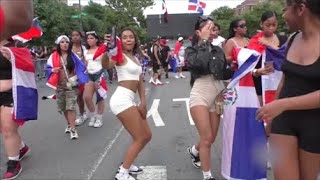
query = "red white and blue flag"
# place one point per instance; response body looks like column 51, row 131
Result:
column 244, row 138
column 196, row 5
column 34, row 32
column 24, row 88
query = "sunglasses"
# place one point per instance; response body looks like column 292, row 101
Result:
column 91, row 32
column 202, row 19
column 242, row 26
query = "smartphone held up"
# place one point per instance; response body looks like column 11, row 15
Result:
column 112, row 38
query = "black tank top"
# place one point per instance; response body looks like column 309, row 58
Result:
column 5, row 68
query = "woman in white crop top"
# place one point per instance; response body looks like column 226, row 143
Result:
column 95, row 71
column 132, row 116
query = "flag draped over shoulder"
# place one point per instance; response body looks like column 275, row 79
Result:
column 54, row 62
column 244, row 138
column 24, row 89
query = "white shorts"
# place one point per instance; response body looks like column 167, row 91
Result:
column 179, row 63
column 121, row 100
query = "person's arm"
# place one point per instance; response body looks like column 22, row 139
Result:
column 17, row 16
column 279, row 87
column 228, row 47
column 142, row 94
column 155, row 53
column 304, row 102
column 106, row 62
column 168, row 55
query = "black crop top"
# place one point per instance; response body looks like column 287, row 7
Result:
column 5, row 68
column 299, row 79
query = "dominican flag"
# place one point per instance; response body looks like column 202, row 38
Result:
column 244, row 138
column 196, row 5
column 102, row 89
column 24, row 89
column 115, row 53
column 165, row 11
column 34, row 32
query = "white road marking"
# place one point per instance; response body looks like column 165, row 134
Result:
column 155, row 113
column 153, row 173
column 103, row 154
column 188, row 107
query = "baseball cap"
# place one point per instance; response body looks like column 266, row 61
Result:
column 180, row 38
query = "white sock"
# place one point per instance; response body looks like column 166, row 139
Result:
column 99, row 116
column 123, row 170
column 206, row 174
column 194, row 151
column 91, row 114
column 15, row 158
column 22, row 145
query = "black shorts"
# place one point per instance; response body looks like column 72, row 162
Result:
column 156, row 67
column 95, row 77
column 6, row 98
column 303, row 124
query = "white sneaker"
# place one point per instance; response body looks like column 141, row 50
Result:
column 158, row 82
column 123, row 176
column 74, row 134
column 151, row 80
column 135, row 170
column 68, row 129
column 176, row 76
column 98, row 123
column 92, row 121
column 182, row 76
column 81, row 119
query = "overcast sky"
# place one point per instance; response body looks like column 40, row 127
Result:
column 175, row 6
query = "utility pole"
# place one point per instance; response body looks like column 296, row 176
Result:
column 80, row 16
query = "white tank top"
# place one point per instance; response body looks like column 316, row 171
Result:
column 129, row 71
column 94, row 66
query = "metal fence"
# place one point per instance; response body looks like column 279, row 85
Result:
column 40, row 65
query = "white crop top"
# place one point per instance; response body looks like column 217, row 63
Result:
column 129, row 71
column 94, row 66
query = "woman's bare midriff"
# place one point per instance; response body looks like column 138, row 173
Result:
column 5, row 85
column 132, row 85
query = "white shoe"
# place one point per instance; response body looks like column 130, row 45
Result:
column 182, row 76
column 151, row 80
column 123, row 176
column 134, row 170
column 74, row 134
column 81, row 119
column 98, row 123
column 176, row 76
column 92, row 121
column 68, row 129
column 158, row 82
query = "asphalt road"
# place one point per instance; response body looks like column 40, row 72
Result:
column 98, row 152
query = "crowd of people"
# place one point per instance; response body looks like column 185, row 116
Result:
column 75, row 70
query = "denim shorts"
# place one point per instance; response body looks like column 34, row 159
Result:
column 96, row 77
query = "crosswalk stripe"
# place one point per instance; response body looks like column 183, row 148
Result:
column 188, row 108
column 153, row 173
column 155, row 113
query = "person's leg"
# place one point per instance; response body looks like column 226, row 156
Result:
column 80, row 100
column 12, row 143
column 284, row 154
column 309, row 165
column 140, row 132
column 200, row 115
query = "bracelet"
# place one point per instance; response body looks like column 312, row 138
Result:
column 254, row 72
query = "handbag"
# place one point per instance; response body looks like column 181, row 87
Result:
column 72, row 81
column 219, row 103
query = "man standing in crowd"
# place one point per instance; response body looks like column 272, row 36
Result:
column 165, row 56
column 179, row 56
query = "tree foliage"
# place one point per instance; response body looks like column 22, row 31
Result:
column 56, row 18
column 224, row 15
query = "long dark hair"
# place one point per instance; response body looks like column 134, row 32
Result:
column 233, row 24
column 267, row 14
column 81, row 43
column 95, row 36
column 70, row 64
column 136, row 48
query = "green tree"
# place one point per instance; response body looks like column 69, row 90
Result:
column 223, row 16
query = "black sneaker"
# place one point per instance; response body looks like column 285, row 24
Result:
column 195, row 159
column 13, row 170
column 210, row 178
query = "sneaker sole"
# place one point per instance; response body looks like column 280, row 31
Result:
column 14, row 177
column 191, row 156
column 25, row 154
